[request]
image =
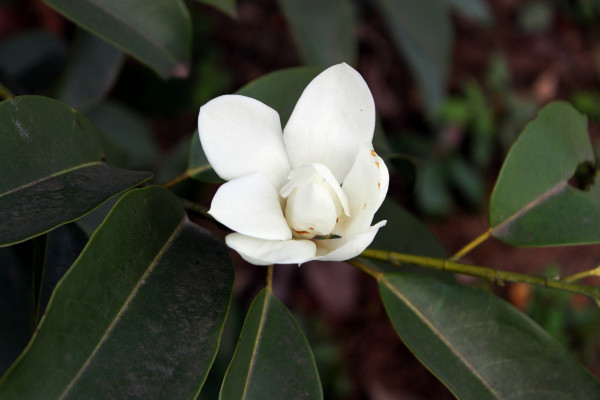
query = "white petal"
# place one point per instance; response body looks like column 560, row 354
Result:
column 341, row 249
column 250, row 205
column 334, row 115
column 241, row 135
column 365, row 186
column 266, row 252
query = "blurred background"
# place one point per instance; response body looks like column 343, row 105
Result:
column 454, row 84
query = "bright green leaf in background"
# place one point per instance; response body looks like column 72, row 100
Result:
column 422, row 30
column 325, row 31
column 157, row 33
column 476, row 9
column 273, row 359
column 480, row 346
column 545, row 193
column 52, row 168
column 92, row 69
column 120, row 324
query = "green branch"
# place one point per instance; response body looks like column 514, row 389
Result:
column 490, row 274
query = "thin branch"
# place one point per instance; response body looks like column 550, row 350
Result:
column 581, row 275
column 177, row 180
column 490, row 274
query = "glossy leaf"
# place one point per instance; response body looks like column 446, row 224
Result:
column 281, row 89
column 479, row 346
column 52, row 169
column 273, row 359
column 423, row 33
column 126, row 138
column 158, row 36
column 198, row 166
column 118, row 326
column 92, row 70
column 536, row 201
column 325, row 31
column 226, row 6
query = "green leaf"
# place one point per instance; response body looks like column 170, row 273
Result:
column 325, row 31
column 479, row 346
column 273, row 359
column 198, row 166
column 92, row 70
column 535, row 201
column 52, row 169
column 15, row 306
column 31, row 60
column 119, row 325
column 406, row 234
column 226, row 6
column 126, row 138
column 476, row 9
column 422, row 31
column 158, row 36
column 281, row 89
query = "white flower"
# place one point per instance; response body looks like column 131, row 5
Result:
column 284, row 198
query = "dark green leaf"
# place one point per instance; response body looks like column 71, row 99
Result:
column 226, row 6
column 404, row 233
column 123, row 326
column 93, row 68
column 422, row 30
column 52, row 169
column 31, row 60
column 198, row 166
column 536, row 200
column 281, row 89
column 325, row 31
column 479, row 346
column 273, row 359
column 158, row 35
column 16, row 299
column 127, row 140
column 15, row 306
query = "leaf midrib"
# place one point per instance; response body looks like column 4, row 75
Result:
column 129, row 299
column 48, row 177
column 263, row 320
column 440, row 335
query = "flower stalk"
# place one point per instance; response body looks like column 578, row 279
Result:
column 490, row 274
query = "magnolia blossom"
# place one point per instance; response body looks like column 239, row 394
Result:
column 307, row 193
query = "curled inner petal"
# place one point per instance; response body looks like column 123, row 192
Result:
column 314, row 201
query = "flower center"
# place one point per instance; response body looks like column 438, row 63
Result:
column 315, row 201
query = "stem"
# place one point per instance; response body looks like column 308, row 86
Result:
column 5, row 92
column 476, row 242
column 493, row 275
column 581, row 275
column 270, row 277
column 177, row 180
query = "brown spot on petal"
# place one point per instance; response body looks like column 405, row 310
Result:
column 376, row 163
column 365, row 206
column 301, row 232
column 361, row 110
column 311, row 228
column 337, row 220
column 373, row 153
column 378, row 185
